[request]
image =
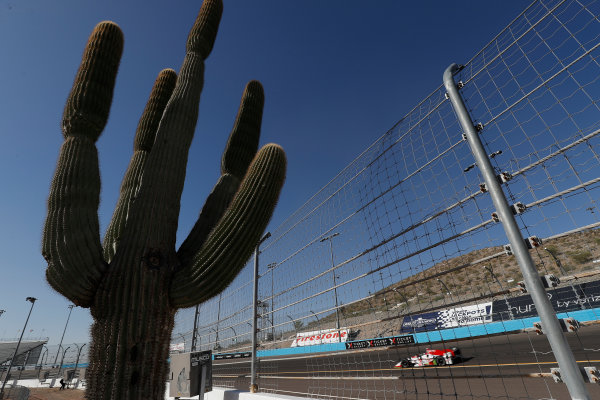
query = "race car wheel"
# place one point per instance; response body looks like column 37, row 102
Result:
column 440, row 361
column 406, row 364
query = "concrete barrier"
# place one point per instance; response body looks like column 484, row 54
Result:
column 231, row 394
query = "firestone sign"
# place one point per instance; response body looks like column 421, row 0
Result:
column 320, row 337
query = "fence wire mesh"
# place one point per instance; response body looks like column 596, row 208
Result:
column 402, row 251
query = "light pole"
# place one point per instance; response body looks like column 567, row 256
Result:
column 337, row 313
column 63, row 335
column 218, row 319
column 271, row 267
column 195, row 330
column 32, row 300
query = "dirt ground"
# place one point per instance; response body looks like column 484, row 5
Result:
column 55, row 394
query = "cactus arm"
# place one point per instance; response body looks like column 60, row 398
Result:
column 144, row 139
column 214, row 207
column 158, row 199
column 71, row 239
column 231, row 242
column 240, row 149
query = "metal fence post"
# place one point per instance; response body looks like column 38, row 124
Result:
column 337, row 310
column 253, row 385
column 195, row 329
column 569, row 369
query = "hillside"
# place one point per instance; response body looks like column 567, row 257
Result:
column 465, row 277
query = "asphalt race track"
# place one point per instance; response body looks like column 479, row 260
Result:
column 515, row 366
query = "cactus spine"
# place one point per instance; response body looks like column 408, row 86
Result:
column 135, row 280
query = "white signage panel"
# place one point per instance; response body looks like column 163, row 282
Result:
column 320, row 337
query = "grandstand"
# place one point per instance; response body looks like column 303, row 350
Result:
column 33, row 347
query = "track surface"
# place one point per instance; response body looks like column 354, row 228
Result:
column 499, row 367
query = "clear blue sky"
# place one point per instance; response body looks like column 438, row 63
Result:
column 337, row 74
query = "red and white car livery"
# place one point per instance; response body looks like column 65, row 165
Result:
column 431, row 357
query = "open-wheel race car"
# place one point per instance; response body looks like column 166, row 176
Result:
column 431, row 357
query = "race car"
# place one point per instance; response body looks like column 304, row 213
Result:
column 431, row 357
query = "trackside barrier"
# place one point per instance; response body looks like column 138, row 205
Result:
column 464, row 332
column 230, row 394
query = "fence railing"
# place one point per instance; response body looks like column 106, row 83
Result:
column 405, row 250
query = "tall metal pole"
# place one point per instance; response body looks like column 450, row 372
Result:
column 32, row 300
column 195, row 330
column 63, row 334
column 337, row 311
column 569, row 369
column 218, row 319
column 272, row 267
column 253, row 385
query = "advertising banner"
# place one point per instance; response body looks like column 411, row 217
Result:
column 451, row 318
column 466, row 315
column 420, row 322
column 578, row 296
column 228, row 356
column 177, row 347
column 389, row 341
column 320, row 337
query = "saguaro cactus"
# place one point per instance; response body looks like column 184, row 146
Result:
column 135, row 280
